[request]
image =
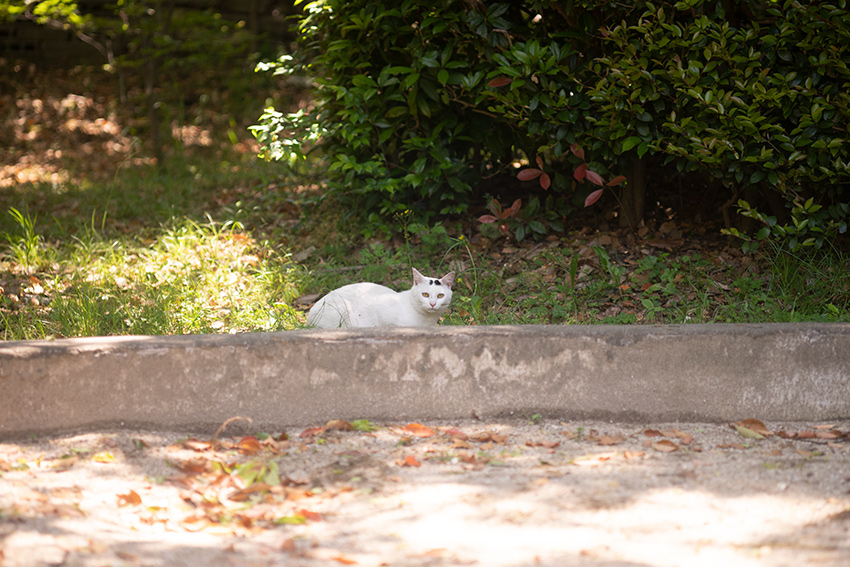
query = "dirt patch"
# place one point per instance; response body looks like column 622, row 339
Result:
column 433, row 494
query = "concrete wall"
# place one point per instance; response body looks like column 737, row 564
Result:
column 705, row 372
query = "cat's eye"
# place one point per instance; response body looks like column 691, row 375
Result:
column 441, row 295
column 425, row 294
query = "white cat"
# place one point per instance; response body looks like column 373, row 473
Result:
column 373, row 305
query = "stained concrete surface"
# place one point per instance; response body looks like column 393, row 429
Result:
column 787, row 372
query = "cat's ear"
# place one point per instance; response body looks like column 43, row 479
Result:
column 417, row 277
column 448, row 279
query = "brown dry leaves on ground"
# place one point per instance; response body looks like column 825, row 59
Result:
column 467, row 493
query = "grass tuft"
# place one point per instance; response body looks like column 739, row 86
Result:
column 192, row 278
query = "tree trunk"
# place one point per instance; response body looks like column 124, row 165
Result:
column 150, row 102
column 632, row 195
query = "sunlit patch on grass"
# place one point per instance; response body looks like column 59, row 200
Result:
column 194, row 278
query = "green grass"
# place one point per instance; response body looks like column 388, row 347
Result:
column 214, row 256
column 190, row 278
column 204, row 243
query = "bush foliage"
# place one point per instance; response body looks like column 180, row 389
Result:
column 417, row 105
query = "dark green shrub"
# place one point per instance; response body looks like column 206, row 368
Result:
column 417, row 104
column 758, row 99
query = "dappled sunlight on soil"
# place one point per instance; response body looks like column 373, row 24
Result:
column 465, row 493
column 70, row 127
column 56, row 140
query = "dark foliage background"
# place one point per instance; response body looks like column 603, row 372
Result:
column 431, row 107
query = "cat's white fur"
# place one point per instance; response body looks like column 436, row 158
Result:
column 373, row 305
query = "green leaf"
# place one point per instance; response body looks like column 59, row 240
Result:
column 630, row 143
column 363, row 425
column 748, row 433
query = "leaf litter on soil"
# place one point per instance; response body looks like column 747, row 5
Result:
column 258, row 483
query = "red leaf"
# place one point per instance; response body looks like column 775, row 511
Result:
column 312, row 516
column 540, row 162
column 577, row 151
column 595, row 178
column 487, row 218
column 499, row 82
column 496, row 208
column 581, row 172
column 249, row 445
column 312, row 431
column 545, row 182
column 593, row 197
column 513, row 210
column 616, row 181
column 418, row 430
column 409, row 461
column 529, row 174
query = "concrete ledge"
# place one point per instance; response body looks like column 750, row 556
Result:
column 780, row 372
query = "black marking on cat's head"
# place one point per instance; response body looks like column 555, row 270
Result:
column 436, row 282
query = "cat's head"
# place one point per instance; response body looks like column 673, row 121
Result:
column 432, row 295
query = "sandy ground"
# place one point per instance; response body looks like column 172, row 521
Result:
column 525, row 493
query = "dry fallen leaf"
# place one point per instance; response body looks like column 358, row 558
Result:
column 132, row 498
column 611, row 440
column 197, row 466
column 498, row 438
column 327, row 554
column 249, row 445
column 830, row 434
column 489, row 436
column 338, row 425
column 456, row 433
column 747, row 433
column 544, row 444
column 408, row 461
column 684, row 438
column 418, row 430
column 197, row 445
column 665, row 446
column 312, row 431
column 60, row 464
column 245, row 493
column 310, row 515
column 594, row 460
column 755, row 425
